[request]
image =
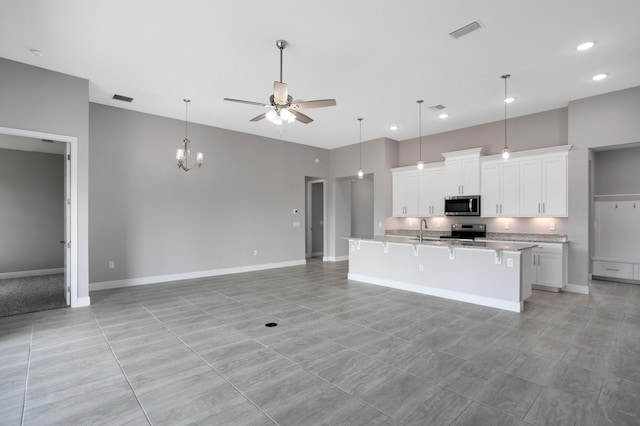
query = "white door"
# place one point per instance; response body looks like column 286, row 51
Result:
column 67, row 225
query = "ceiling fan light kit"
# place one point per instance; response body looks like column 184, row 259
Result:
column 283, row 107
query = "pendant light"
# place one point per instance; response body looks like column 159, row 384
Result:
column 505, row 150
column 360, row 172
column 420, row 164
column 183, row 155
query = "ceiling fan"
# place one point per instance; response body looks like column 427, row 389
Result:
column 284, row 108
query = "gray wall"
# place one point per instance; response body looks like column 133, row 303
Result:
column 31, row 211
column 617, row 171
column 39, row 100
column 362, row 207
column 153, row 219
column 533, row 131
column 601, row 121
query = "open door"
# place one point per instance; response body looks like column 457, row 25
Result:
column 67, row 225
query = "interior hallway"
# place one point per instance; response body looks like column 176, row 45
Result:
column 343, row 352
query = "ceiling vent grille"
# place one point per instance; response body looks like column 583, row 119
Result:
column 122, row 98
column 460, row 32
column 438, row 107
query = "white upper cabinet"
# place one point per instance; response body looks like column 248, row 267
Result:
column 543, row 186
column 405, row 193
column 431, row 191
column 500, row 188
column 462, row 172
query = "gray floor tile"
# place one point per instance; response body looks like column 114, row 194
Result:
column 510, row 394
column 481, row 415
column 399, row 396
column 441, row 408
column 433, row 366
column 553, row 407
column 620, row 395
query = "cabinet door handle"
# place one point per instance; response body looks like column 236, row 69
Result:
column 501, row 208
column 611, row 269
column 538, row 207
column 496, row 208
column 544, row 207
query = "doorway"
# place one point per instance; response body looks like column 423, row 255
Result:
column 315, row 218
column 43, row 260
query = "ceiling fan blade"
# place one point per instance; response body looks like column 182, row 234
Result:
column 301, row 117
column 320, row 103
column 259, row 117
column 280, row 93
column 240, row 101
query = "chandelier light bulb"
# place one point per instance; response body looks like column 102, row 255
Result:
column 180, row 155
column 199, row 159
column 360, row 174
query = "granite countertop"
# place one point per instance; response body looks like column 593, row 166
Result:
column 409, row 240
column 491, row 236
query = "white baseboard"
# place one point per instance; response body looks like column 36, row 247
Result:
column 81, row 302
column 104, row 285
column 575, row 288
column 439, row 292
column 35, row 273
column 335, row 258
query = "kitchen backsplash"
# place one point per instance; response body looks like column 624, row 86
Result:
column 536, row 225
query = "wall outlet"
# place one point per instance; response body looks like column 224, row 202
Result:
column 421, row 268
column 506, row 225
column 255, row 252
column 296, row 224
column 552, row 226
column 509, row 263
column 112, row 264
column 379, row 224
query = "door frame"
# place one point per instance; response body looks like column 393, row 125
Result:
column 309, row 239
column 71, row 206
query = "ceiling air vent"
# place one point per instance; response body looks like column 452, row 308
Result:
column 438, row 107
column 475, row 25
column 122, row 98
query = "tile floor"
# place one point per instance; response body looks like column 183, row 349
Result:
column 343, row 353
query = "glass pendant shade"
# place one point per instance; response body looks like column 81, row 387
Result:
column 360, row 174
column 420, row 165
column 505, row 153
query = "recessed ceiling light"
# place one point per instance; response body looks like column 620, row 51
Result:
column 393, row 128
column 509, row 100
column 585, row 46
column 443, row 115
column 37, row 52
column 599, row 77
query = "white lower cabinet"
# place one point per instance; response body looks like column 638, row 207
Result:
column 620, row 270
column 548, row 269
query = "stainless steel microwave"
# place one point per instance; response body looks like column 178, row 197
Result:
column 462, row 205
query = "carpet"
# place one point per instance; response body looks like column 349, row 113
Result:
column 31, row 294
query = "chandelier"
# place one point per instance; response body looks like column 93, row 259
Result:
column 183, row 155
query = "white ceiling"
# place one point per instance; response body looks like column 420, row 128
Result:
column 375, row 57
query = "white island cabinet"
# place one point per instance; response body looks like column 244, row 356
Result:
column 498, row 275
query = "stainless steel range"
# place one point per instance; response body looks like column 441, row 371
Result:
column 466, row 231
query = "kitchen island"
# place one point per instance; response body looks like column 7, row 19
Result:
column 498, row 275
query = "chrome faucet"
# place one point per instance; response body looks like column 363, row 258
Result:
column 425, row 228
